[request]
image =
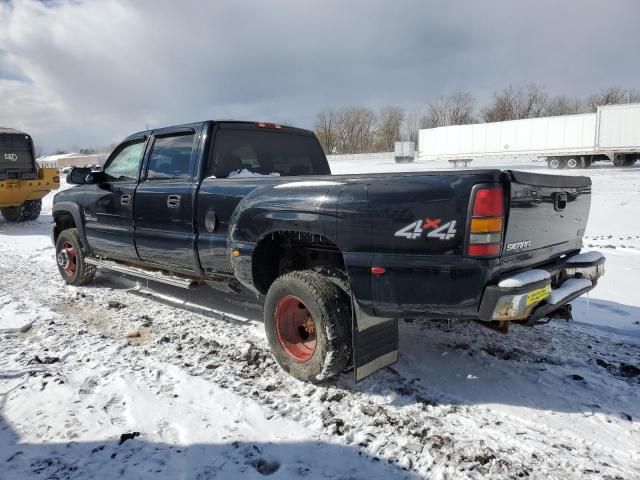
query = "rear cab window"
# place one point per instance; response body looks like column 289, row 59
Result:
column 266, row 152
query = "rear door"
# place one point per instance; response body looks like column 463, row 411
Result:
column 164, row 224
column 245, row 157
column 547, row 216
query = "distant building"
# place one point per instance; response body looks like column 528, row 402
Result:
column 73, row 160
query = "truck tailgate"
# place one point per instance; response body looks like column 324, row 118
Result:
column 547, row 215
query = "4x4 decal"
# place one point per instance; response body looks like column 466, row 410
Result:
column 415, row 229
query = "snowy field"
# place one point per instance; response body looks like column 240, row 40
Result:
column 128, row 380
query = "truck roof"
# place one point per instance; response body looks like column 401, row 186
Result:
column 225, row 122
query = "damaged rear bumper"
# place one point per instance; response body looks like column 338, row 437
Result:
column 537, row 293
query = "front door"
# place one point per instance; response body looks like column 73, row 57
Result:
column 164, row 202
column 109, row 205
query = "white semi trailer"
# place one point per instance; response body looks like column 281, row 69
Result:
column 570, row 141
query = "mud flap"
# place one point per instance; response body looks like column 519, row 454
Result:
column 375, row 342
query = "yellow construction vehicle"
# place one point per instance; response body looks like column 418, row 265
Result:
column 22, row 182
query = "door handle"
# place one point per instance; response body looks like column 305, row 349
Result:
column 125, row 199
column 173, row 201
column 560, row 201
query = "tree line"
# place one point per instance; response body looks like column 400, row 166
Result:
column 363, row 130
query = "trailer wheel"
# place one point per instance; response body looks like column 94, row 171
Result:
column 572, row 163
column 619, row 160
column 307, row 320
column 29, row 210
column 629, row 161
column 554, row 163
column 70, row 259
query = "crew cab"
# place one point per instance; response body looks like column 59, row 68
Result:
column 338, row 259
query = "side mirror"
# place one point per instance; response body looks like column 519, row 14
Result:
column 84, row 176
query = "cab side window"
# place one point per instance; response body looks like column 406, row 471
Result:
column 124, row 166
column 171, row 158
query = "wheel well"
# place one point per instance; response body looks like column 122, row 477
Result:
column 63, row 221
column 284, row 251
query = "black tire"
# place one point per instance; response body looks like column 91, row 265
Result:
column 619, row 160
column 555, row 163
column 81, row 273
column 572, row 163
column 329, row 308
column 29, row 210
column 628, row 161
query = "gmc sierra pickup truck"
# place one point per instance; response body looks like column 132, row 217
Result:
column 338, row 259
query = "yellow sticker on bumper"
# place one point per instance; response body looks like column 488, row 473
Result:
column 538, row 295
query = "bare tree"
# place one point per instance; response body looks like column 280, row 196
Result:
column 633, row 96
column 325, row 130
column 563, row 105
column 515, row 103
column 411, row 125
column 461, row 108
column 389, row 126
column 355, row 128
column 436, row 115
column 612, row 96
column 456, row 109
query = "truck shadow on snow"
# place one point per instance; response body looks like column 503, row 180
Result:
column 133, row 456
column 562, row 366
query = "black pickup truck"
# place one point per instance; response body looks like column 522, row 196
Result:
column 338, row 259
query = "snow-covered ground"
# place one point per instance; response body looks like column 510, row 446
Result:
column 128, row 380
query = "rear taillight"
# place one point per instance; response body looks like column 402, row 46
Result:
column 268, row 125
column 487, row 223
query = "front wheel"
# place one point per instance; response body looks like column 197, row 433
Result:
column 307, row 320
column 71, row 259
column 29, row 210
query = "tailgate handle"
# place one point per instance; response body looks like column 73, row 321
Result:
column 560, row 200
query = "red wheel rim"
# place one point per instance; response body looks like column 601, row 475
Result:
column 70, row 265
column 295, row 329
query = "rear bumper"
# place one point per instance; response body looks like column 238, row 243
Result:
column 537, row 293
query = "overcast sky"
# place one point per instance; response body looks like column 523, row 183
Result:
column 91, row 72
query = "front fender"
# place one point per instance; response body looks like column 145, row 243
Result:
column 75, row 211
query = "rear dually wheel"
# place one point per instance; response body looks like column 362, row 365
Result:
column 307, row 321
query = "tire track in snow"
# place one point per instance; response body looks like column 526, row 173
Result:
column 389, row 416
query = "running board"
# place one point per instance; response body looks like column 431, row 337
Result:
column 157, row 276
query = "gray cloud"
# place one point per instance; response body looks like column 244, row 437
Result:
column 91, row 72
